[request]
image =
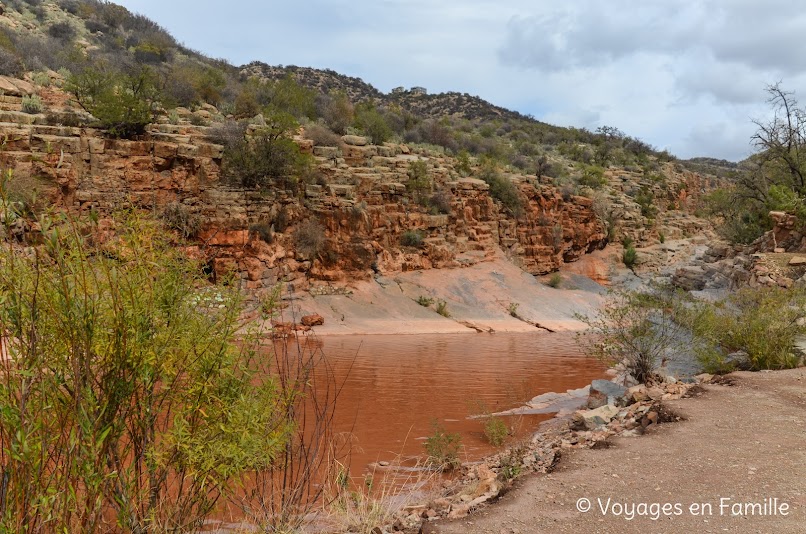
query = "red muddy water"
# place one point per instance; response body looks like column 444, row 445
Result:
column 396, row 386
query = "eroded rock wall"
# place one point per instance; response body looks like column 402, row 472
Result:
column 361, row 202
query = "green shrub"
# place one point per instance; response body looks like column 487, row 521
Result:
column 122, row 103
column 41, row 79
column 372, row 123
column 661, row 237
column 129, row 336
column 555, row 280
column 762, row 322
column 502, row 189
column 513, row 309
column 412, row 238
column 286, row 95
column 442, row 308
column 419, row 183
column 443, row 448
column 629, row 257
column 337, row 112
column 32, row 104
column 593, row 177
column 495, row 430
column 645, row 200
column 63, row 31
column 266, row 158
column 463, row 163
column 422, row 300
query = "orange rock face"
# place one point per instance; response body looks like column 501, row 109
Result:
column 366, row 217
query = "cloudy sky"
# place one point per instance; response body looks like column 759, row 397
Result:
column 688, row 76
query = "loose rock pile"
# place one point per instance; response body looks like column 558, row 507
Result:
column 612, row 410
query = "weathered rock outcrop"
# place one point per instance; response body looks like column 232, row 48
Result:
column 361, row 202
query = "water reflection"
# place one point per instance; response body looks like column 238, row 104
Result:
column 396, row 386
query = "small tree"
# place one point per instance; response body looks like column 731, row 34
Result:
column 123, row 103
column 632, row 328
column 288, row 96
column 267, row 157
column 782, row 145
column 373, row 123
column 337, row 111
column 419, row 183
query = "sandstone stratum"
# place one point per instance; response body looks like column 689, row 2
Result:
column 360, row 199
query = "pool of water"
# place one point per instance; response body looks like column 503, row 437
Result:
column 396, row 387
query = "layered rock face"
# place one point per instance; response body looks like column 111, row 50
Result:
column 360, row 202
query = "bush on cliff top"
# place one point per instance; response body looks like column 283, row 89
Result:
column 502, row 189
column 122, row 102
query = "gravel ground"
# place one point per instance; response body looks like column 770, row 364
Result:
column 738, row 445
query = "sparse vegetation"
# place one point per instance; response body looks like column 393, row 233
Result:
column 264, row 230
column 321, row 135
column 178, row 217
column 495, row 430
column 513, row 309
column 440, row 202
column 32, row 104
column 443, row 448
column 442, row 308
column 422, row 300
column 633, row 329
column 502, row 189
column 309, row 238
column 412, row 238
column 555, row 280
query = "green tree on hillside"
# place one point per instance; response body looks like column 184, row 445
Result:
column 775, row 177
column 372, row 123
column 266, row 157
column 123, row 103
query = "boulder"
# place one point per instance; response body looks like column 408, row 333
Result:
column 313, row 320
column 354, row 140
column 605, row 392
column 690, row 278
column 637, row 393
column 797, row 260
column 15, row 87
column 598, row 417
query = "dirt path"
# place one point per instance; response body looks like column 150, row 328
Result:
column 742, row 443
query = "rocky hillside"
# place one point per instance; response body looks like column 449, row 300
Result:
column 437, row 194
column 415, row 100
